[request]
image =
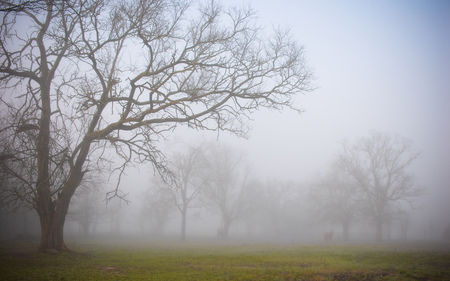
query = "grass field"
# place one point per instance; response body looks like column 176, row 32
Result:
column 226, row 261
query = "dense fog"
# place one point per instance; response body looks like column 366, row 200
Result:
column 225, row 198
column 381, row 69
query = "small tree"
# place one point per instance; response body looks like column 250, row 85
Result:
column 336, row 198
column 87, row 207
column 188, row 181
column 157, row 205
column 225, row 186
column 379, row 166
column 404, row 222
column 278, row 198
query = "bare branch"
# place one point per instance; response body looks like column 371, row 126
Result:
column 379, row 165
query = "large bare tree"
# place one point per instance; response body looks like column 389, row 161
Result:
column 82, row 78
column 379, row 164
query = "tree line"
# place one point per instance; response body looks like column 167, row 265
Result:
column 368, row 182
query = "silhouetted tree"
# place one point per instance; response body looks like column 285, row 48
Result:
column 379, row 166
column 81, row 78
column 278, row 198
column 336, row 198
column 226, row 185
column 114, row 213
column 188, row 182
column 87, row 206
column 157, row 205
column 404, row 221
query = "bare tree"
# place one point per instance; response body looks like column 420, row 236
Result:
column 86, row 207
column 379, row 165
column 157, row 205
column 253, row 198
column 226, row 186
column 188, row 181
column 404, row 220
column 114, row 212
column 278, row 198
column 336, row 198
column 82, row 78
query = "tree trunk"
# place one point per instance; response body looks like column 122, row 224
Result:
column 85, row 226
column 52, row 235
column 378, row 229
column 345, row 227
column 52, row 228
column 52, row 215
column 226, row 229
column 183, row 224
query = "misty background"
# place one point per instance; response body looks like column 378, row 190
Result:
column 379, row 66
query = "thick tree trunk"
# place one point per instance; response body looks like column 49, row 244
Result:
column 52, row 227
column 50, row 236
column 52, row 233
column 52, row 215
column 52, row 211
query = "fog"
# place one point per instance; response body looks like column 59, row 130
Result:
column 380, row 66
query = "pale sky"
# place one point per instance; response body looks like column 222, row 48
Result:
column 379, row 65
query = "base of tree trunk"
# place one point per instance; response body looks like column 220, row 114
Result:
column 52, row 237
column 54, row 250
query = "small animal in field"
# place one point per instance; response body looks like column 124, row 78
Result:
column 328, row 236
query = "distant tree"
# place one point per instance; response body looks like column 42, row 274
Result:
column 254, row 200
column 226, row 185
column 278, row 197
column 336, row 198
column 379, row 166
column 404, row 220
column 446, row 234
column 157, row 205
column 81, row 78
column 114, row 213
column 87, row 207
column 188, row 182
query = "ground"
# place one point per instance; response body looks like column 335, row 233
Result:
column 107, row 259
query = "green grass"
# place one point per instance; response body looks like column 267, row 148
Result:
column 232, row 261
